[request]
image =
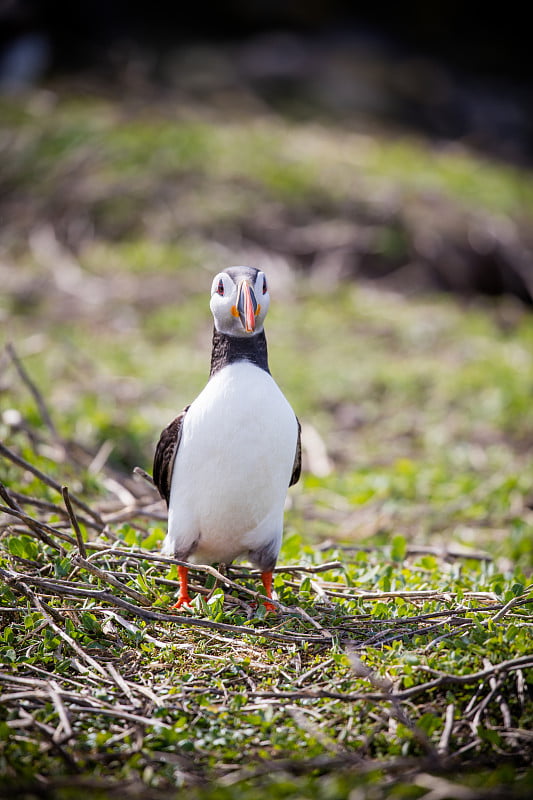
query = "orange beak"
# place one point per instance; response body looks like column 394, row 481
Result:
column 246, row 306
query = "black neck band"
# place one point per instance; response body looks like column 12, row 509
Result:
column 228, row 349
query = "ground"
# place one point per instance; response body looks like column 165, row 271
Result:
column 399, row 663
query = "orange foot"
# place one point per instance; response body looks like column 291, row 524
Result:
column 183, row 597
column 182, row 600
column 266, row 577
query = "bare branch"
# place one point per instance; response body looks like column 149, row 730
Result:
column 36, row 394
column 46, row 479
column 18, row 580
column 44, row 609
column 110, row 579
column 514, row 601
column 40, row 529
column 74, row 522
column 144, row 475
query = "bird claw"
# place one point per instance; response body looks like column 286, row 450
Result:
column 185, row 600
column 268, row 607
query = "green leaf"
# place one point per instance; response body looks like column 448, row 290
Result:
column 398, row 548
column 90, row 623
column 9, row 654
column 62, row 567
column 154, row 539
column 15, row 546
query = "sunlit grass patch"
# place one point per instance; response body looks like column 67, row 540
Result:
column 399, row 662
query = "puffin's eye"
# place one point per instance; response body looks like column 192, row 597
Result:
column 220, row 287
column 264, row 285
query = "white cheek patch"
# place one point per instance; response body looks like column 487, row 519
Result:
column 262, row 296
column 263, row 302
column 221, row 308
column 225, row 281
column 224, row 306
column 261, row 288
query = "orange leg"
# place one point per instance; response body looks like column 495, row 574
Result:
column 183, row 596
column 266, row 577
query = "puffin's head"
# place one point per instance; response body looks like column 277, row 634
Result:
column 239, row 301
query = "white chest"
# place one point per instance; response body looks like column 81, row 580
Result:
column 236, row 455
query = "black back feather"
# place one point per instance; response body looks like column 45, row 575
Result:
column 165, row 455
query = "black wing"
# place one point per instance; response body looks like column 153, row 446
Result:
column 165, row 455
column 297, row 467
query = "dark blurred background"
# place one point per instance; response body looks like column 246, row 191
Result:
column 450, row 69
column 451, row 73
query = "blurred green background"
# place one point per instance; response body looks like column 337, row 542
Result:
column 399, row 254
column 377, row 166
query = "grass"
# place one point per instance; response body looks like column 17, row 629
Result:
column 400, row 662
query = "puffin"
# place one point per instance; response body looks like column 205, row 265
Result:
column 225, row 463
